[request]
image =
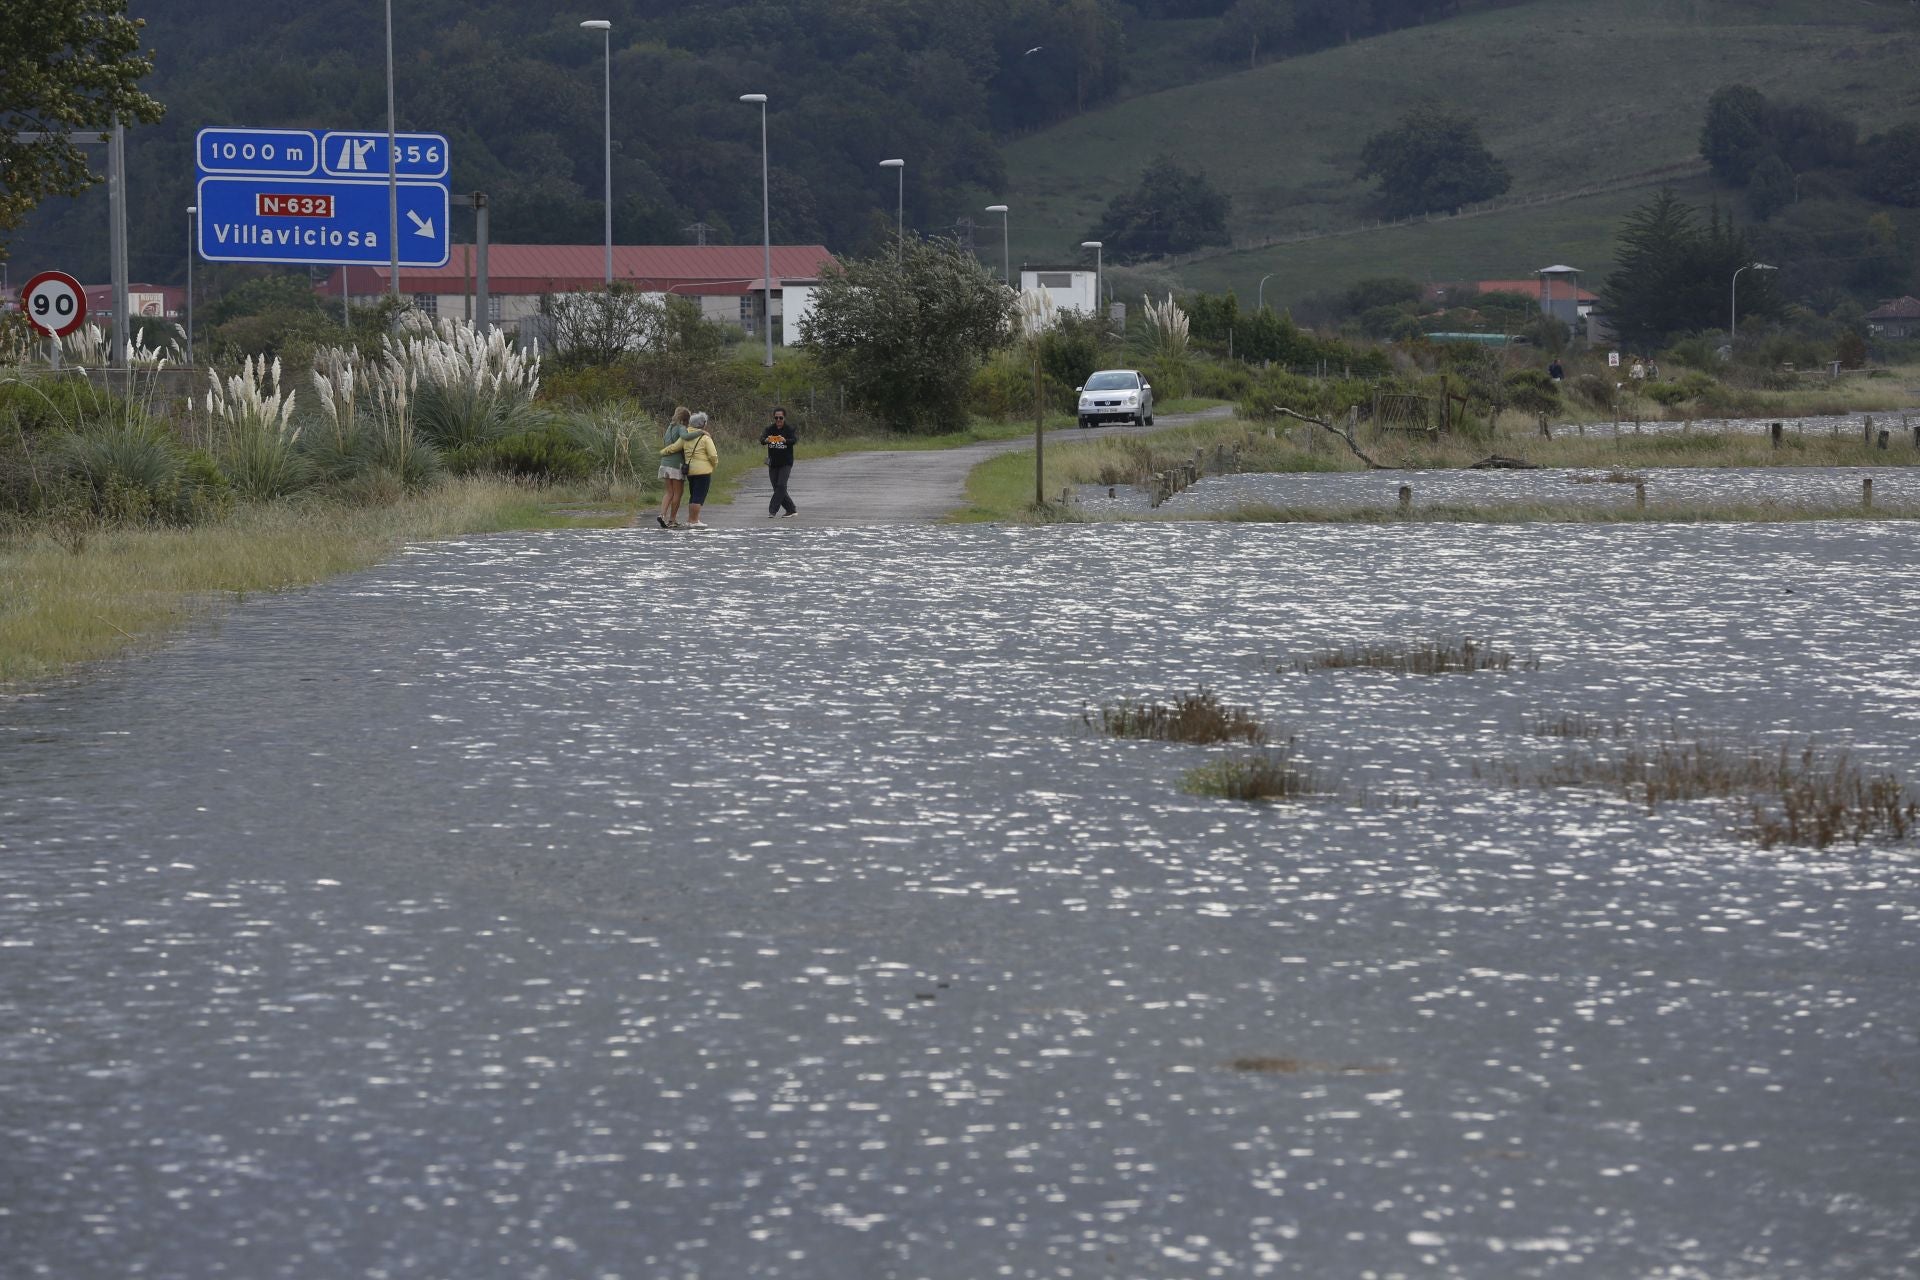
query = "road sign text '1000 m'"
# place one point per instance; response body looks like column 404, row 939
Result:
column 295, row 196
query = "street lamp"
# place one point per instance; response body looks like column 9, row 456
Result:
column 900, row 209
column 605, row 29
column 1733, row 305
column 1095, row 246
column 393, row 174
column 1006, row 256
column 766, row 224
column 191, row 211
column 1260, row 294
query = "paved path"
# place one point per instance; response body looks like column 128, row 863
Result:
column 895, row 486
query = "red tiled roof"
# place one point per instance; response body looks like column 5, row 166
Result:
column 1899, row 309
column 1532, row 289
column 563, row 268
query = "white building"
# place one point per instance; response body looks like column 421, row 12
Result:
column 1068, row 288
column 725, row 279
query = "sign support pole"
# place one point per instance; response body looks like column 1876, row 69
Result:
column 117, row 213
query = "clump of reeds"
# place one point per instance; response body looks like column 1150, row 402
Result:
column 1199, row 716
column 1576, row 725
column 1276, row 774
column 1802, row 796
column 1818, row 802
column 1435, row 657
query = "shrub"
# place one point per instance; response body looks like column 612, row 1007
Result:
column 1532, row 391
column 617, row 439
column 129, row 472
column 1195, row 717
column 547, row 455
column 1221, row 379
column 254, row 436
column 1596, row 391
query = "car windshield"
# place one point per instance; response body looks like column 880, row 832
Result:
column 1121, row 381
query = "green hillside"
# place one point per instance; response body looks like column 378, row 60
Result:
column 1569, row 94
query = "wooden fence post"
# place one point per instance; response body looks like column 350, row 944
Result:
column 1639, row 495
column 1777, row 430
column 1406, row 499
column 1866, row 494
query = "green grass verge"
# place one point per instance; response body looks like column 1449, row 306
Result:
column 72, row 595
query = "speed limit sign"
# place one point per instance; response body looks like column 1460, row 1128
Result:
column 54, row 303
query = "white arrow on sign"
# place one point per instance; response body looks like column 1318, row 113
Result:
column 421, row 226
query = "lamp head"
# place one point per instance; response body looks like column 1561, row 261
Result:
column 597, row 24
column 996, row 208
column 893, row 164
column 193, row 208
column 753, row 97
column 1091, row 244
column 1764, row 266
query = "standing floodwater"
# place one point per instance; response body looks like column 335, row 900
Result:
column 388, row 928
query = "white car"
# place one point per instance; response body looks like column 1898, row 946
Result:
column 1116, row 395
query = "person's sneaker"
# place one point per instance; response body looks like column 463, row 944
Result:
column 675, row 525
column 698, row 524
column 793, row 513
column 661, row 521
column 772, row 514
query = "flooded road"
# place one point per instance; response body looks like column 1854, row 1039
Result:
column 588, row 904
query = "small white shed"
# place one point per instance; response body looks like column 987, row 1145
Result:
column 1070, row 288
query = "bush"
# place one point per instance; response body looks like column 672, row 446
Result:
column 1221, row 379
column 1692, row 387
column 1595, row 390
column 47, row 404
column 128, row 472
column 1532, row 391
column 1002, row 388
column 547, row 455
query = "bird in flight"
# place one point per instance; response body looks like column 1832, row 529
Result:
column 1037, row 48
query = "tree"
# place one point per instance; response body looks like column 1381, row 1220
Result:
column 1251, row 25
column 1674, row 275
column 1770, row 188
column 1172, row 210
column 1735, row 136
column 1434, row 160
column 63, row 66
column 1892, row 170
column 905, row 336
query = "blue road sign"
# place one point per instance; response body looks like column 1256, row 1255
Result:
column 363, row 154
column 292, row 153
column 319, row 220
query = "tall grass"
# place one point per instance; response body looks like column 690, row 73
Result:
column 76, row 595
column 254, row 435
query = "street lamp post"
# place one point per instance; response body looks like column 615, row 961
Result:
column 1006, row 256
column 1260, row 294
column 1733, row 303
column 393, row 173
column 900, row 207
column 605, row 28
column 191, row 211
column 766, row 225
column 1095, row 245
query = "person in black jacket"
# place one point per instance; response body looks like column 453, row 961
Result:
column 779, row 438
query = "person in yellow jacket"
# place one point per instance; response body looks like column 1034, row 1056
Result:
column 702, row 457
